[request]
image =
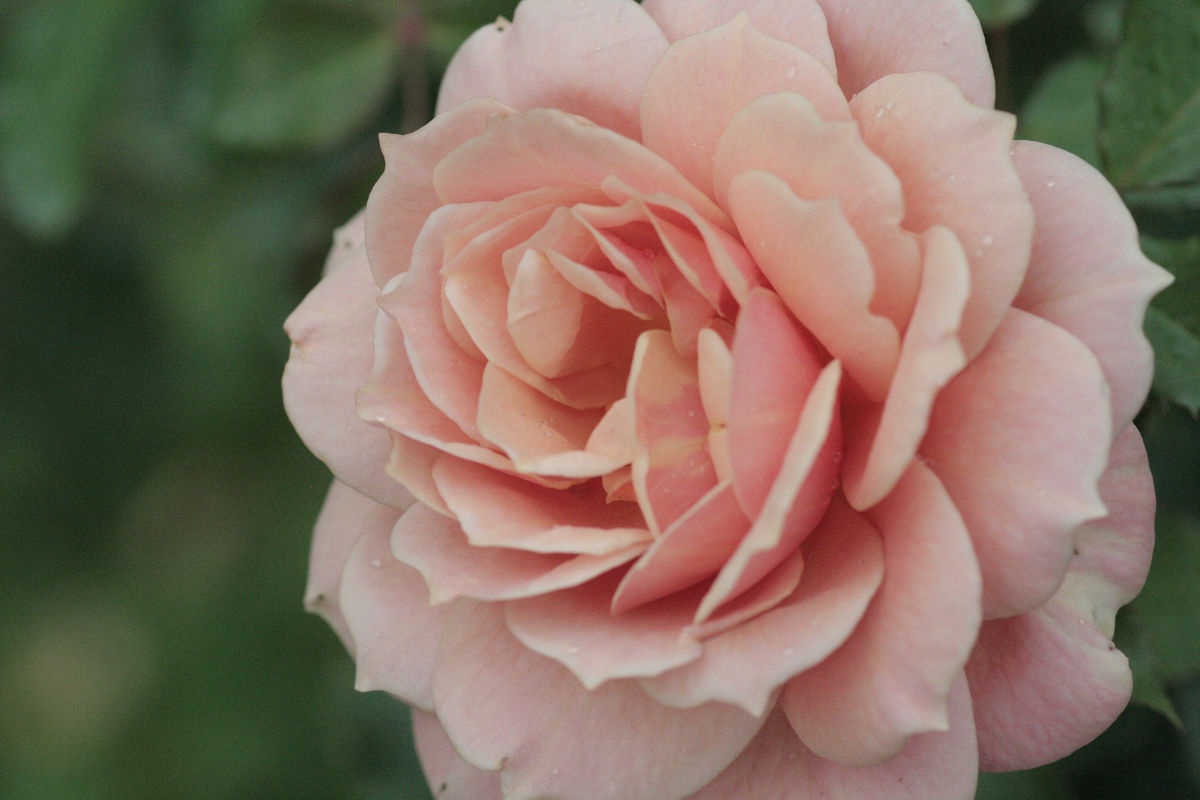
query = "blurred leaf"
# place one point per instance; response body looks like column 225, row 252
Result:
column 1165, row 610
column 1046, row 783
column 1150, row 115
column 1176, row 359
column 1062, row 108
column 1102, row 18
column 998, row 13
column 301, row 78
column 53, row 61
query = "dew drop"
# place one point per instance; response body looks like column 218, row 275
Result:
column 790, row 72
column 376, row 563
column 573, row 650
column 1050, row 184
column 988, row 240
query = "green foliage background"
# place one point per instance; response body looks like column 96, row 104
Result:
column 170, row 173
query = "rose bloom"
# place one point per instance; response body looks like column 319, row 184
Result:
column 723, row 406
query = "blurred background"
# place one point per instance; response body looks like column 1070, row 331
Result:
column 170, row 174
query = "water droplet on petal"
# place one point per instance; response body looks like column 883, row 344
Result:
column 376, row 563
column 790, row 72
column 988, row 240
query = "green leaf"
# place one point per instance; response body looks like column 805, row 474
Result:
column 1176, row 359
column 1150, row 115
column 301, row 78
column 1163, row 615
column 1062, row 107
column 998, row 13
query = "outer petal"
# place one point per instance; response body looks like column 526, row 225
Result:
column 386, row 604
column 448, row 775
column 933, row 766
column 552, row 738
column 800, row 22
column 1049, row 681
column 331, row 358
column 701, row 82
column 892, row 678
column 587, row 57
column 940, row 36
column 1020, row 438
column 1087, row 273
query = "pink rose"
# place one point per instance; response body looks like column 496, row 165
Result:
column 723, row 406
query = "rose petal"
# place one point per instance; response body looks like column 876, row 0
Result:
column 526, row 720
column 436, row 546
column 448, row 775
column 800, row 22
column 1087, row 273
column 892, row 678
column 953, row 161
column 702, row 81
column 1048, row 681
column 602, row 52
column 777, row 767
column 1019, row 438
column 940, row 36
column 331, row 357
column 745, row 665
column 386, row 604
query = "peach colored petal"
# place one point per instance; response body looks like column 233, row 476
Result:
column 1087, row 273
column 588, row 57
column 404, row 195
column 331, row 357
column 829, row 287
column 843, row 566
column 575, row 628
column 941, row 36
column 449, row 377
column 714, row 369
column 882, row 440
column 498, row 510
column 615, row 435
column 526, row 719
column 339, row 525
column 800, row 22
column 394, row 629
column 892, row 678
column 702, row 81
column 766, row 593
column 437, row 548
column 546, row 147
column 1047, row 682
column 671, row 468
column 693, row 548
column 941, row 765
column 447, row 774
column 774, row 367
column 953, row 161
column 782, row 134
column 798, row 497
column 1020, row 438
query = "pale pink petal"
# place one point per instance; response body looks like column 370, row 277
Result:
column 800, row 22
column 449, row 377
column 671, row 468
column 576, row 628
column 943, row 36
column 782, row 134
column 588, row 57
column 1047, row 682
column 340, row 524
column 934, row 766
column 882, row 440
column 448, row 775
column 404, row 196
column 546, row 147
column 1087, row 273
column 452, row 567
column 526, row 719
column 821, row 270
column 797, row 499
column 843, row 565
column 953, row 161
column 714, row 368
column 693, row 548
column 386, row 604
column 702, row 81
column 1019, row 438
column 892, row 678
column 331, row 358
column 775, row 365
column 498, row 510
